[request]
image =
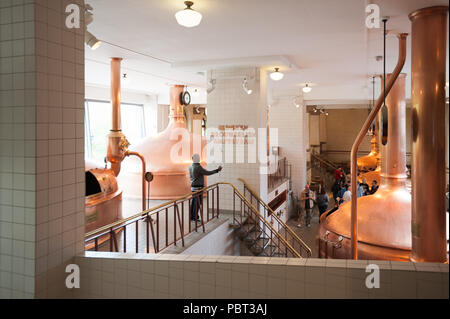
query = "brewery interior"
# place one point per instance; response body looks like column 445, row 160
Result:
column 280, row 96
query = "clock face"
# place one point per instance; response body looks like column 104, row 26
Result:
column 185, row 98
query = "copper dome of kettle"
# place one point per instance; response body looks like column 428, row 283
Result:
column 384, row 218
column 168, row 155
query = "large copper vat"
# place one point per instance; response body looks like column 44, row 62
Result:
column 369, row 162
column 103, row 201
column 384, row 219
column 169, row 154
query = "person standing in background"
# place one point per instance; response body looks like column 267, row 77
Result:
column 336, row 189
column 307, row 198
column 365, row 187
column 347, row 195
column 374, row 187
column 197, row 174
column 338, row 174
column 359, row 189
column 322, row 201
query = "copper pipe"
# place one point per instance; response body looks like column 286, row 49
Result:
column 144, row 192
column 428, row 66
column 176, row 108
column 117, row 143
column 360, row 138
column 115, row 93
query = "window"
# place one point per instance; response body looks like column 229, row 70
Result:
column 98, row 124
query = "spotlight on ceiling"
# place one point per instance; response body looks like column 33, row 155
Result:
column 245, row 87
column 276, row 75
column 211, row 86
column 306, row 89
column 188, row 17
column 91, row 40
column 298, row 101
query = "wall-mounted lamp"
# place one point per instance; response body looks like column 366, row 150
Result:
column 276, row 75
column 245, row 87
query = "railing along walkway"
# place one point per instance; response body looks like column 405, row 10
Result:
column 169, row 223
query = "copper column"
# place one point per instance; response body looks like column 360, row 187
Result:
column 428, row 66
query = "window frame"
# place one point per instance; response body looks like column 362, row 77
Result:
column 87, row 128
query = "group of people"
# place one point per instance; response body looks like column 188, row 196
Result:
column 341, row 192
column 342, row 188
column 308, row 199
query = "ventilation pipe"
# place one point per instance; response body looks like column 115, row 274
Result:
column 428, row 66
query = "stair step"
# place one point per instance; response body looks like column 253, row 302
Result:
column 247, row 228
column 252, row 237
column 235, row 225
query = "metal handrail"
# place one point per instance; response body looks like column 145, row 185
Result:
column 329, row 164
column 110, row 228
column 285, row 226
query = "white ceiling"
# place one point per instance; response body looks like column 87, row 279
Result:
column 326, row 40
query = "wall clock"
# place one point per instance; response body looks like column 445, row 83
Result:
column 185, row 98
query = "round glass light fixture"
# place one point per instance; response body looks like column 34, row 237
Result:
column 188, row 17
column 306, row 89
column 276, row 75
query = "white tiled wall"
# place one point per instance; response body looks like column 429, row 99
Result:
column 42, row 146
column 228, row 104
column 17, row 149
column 116, row 275
column 290, row 123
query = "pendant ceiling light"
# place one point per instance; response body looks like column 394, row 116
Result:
column 188, row 17
column 306, row 89
column 277, row 75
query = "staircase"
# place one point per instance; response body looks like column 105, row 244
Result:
column 322, row 170
column 263, row 231
column 256, row 239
